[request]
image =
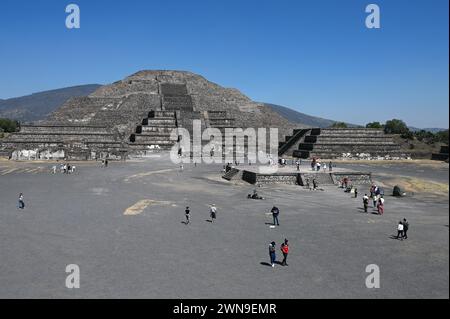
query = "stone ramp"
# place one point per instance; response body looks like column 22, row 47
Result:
column 233, row 174
column 291, row 143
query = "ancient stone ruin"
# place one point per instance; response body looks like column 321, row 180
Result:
column 329, row 143
column 137, row 115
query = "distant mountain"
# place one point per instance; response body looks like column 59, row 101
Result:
column 37, row 106
column 302, row 118
column 428, row 129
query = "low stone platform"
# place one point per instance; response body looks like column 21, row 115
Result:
column 262, row 175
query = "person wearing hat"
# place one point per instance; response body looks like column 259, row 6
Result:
column 213, row 212
column 285, row 250
column 272, row 254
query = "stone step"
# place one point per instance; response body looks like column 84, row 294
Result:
column 161, row 114
column 321, row 178
column 146, row 147
column 158, row 122
column 156, row 129
column 149, row 139
column 350, row 131
column 63, row 129
column 343, row 146
column 333, row 154
column 320, row 139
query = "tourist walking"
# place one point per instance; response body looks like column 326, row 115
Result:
column 356, row 192
column 285, row 250
column 272, row 254
column 330, row 166
column 187, row 214
column 346, row 182
column 405, row 228
column 315, row 185
column 213, row 212
column 365, row 202
column 21, row 202
column 374, row 200
column 400, row 229
column 275, row 212
column 380, row 206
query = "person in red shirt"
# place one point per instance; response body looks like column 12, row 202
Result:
column 285, row 251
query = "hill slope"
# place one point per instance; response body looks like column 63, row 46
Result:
column 37, row 106
column 300, row 118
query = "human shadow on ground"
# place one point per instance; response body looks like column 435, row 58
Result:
column 208, row 220
column 395, row 237
column 268, row 264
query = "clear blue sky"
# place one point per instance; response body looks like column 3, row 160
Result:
column 314, row 56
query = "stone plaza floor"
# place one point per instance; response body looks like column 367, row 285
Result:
column 123, row 226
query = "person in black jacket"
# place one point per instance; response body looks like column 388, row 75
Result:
column 405, row 228
column 187, row 214
column 275, row 212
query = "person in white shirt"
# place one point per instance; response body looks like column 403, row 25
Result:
column 213, row 212
column 400, row 230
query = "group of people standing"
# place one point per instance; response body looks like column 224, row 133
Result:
column 64, row 168
column 402, row 229
column 316, row 165
column 284, row 250
column 272, row 247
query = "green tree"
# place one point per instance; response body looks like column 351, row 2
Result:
column 396, row 126
column 374, row 125
column 339, row 125
column 442, row 137
column 8, row 125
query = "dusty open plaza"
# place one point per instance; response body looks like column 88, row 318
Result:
column 124, row 227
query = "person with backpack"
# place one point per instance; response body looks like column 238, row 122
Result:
column 275, row 212
column 272, row 254
column 365, row 202
column 405, row 228
column 285, row 250
column 187, row 215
